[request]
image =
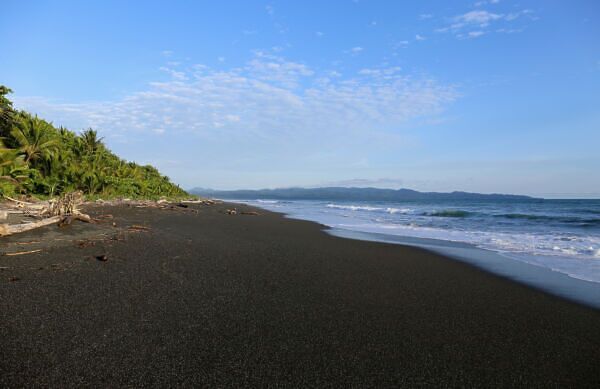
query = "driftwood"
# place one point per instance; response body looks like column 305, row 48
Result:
column 7, row 229
column 62, row 210
column 137, row 227
column 22, row 252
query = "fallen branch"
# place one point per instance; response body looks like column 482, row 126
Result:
column 82, row 217
column 23, row 243
column 22, row 253
column 138, row 227
column 17, row 201
column 7, row 229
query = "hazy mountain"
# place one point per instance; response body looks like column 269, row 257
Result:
column 342, row 193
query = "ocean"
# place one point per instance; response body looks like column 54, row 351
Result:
column 561, row 236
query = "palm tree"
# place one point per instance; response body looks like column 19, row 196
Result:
column 90, row 141
column 6, row 110
column 12, row 166
column 35, row 138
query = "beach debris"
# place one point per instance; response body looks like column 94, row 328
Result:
column 13, row 279
column 137, row 227
column 102, row 258
column 22, row 253
column 82, row 217
column 251, row 213
column 202, row 202
column 231, row 211
column 25, row 243
column 7, row 229
column 62, row 210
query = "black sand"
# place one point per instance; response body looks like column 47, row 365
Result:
column 209, row 299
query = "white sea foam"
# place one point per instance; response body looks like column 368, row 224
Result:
column 398, row 210
column 354, row 207
column 369, row 208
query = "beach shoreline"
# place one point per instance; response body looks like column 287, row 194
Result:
column 204, row 297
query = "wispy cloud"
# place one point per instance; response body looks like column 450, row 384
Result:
column 485, row 2
column 475, row 34
column 475, row 23
column 270, row 100
column 174, row 73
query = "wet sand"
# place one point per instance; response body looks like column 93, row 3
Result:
column 237, row 300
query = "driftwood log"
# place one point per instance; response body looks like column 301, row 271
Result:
column 62, row 210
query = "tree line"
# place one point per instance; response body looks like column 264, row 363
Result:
column 40, row 159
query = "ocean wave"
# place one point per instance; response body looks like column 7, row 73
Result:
column 449, row 213
column 555, row 237
column 369, row 208
column 354, row 207
column 583, row 222
column 398, row 210
column 267, row 201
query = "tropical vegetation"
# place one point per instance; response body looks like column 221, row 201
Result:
column 40, row 159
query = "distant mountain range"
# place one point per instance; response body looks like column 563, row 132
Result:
column 353, row 194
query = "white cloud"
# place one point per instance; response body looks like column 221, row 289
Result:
column 475, row 34
column 425, row 16
column 270, row 101
column 356, row 50
column 485, row 2
column 482, row 18
column 174, row 73
column 479, row 22
column 319, row 34
column 419, row 37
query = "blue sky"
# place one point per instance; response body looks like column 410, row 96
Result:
column 487, row 96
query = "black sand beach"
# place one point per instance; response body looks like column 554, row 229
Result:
column 209, row 299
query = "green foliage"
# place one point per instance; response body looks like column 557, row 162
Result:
column 38, row 158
